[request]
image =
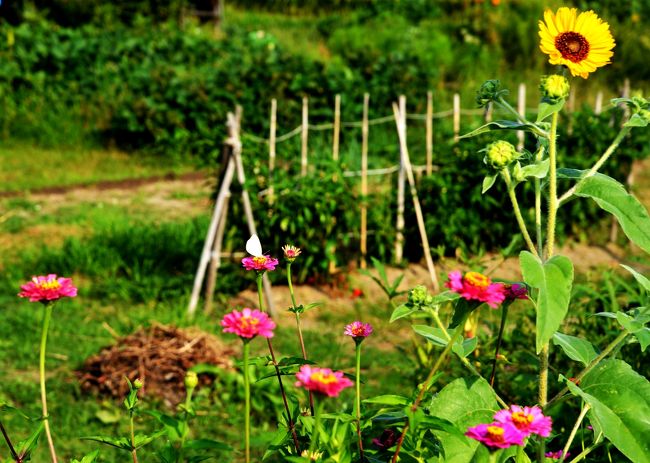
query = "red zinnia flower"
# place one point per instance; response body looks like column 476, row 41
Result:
column 48, row 288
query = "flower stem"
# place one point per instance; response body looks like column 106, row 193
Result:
column 426, row 385
column 134, row 453
column 583, row 412
column 538, row 206
column 504, row 316
column 515, row 207
column 610, row 150
column 358, row 391
column 463, row 360
column 247, row 406
column 47, row 317
column 615, row 343
column 313, row 445
column 14, row 455
column 300, row 338
column 290, row 422
column 587, row 451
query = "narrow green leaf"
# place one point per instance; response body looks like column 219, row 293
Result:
column 88, row 458
column 611, row 196
column 620, row 406
column 642, row 280
column 636, row 328
column 388, row 399
column 120, row 442
column 500, row 125
column 553, row 280
column 26, row 447
column 577, row 349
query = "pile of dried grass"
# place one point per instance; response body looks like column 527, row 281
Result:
column 160, row 356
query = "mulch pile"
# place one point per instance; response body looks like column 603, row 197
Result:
column 160, row 356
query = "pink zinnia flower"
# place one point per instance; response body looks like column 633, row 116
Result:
column 48, row 288
column 477, row 287
column 358, row 330
column 248, row 324
column 501, row 435
column 290, row 252
column 516, row 291
column 556, row 455
column 528, row 420
column 322, row 380
column 259, row 263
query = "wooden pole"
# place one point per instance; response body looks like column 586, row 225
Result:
column 248, row 210
column 487, row 115
column 215, row 260
column 401, row 187
column 400, row 121
column 598, row 107
column 429, row 133
column 337, row 127
column 272, row 129
column 521, row 109
column 224, row 191
column 456, row 117
column 304, row 136
column 364, row 181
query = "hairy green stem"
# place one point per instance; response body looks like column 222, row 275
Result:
column 358, row 394
column 538, row 207
column 292, row 427
column 47, row 317
column 515, row 206
column 426, row 385
column 581, row 417
column 504, row 316
column 613, row 345
column 134, row 452
column 608, row 152
column 247, row 404
column 300, row 338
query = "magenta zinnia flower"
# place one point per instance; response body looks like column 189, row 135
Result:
column 475, row 286
column 259, row 263
column 528, row 420
column 501, row 435
column 556, row 455
column 48, row 288
column 248, row 324
column 358, row 330
column 322, row 380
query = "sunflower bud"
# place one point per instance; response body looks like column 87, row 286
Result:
column 499, row 154
column 489, row 91
column 554, row 87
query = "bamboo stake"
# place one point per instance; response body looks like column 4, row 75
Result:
column 487, row 115
column 304, row 136
column 598, row 107
column 215, row 260
column 248, row 210
column 400, row 121
column 364, row 181
column 429, row 134
column 224, row 190
column 272, row 129
column 337, row 127
column 401, row 187
column 521, row 109
column 456, row 117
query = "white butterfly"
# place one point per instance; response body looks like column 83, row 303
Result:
column 254, row 247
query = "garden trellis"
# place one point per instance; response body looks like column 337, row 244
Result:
column 405, row 170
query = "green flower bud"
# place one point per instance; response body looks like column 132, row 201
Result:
column 499, row 154
column 489, row 91
column 554, row 87
column 191, row 380
column 138, row 384
column 418, row 296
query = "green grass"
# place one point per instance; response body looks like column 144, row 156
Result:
column 25, row 167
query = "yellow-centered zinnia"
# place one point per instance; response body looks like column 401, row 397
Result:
column 582, row 42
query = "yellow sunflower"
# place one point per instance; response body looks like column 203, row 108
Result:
column 581, row 42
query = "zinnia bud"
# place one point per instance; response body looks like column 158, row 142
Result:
column 191, row 380
column 554, row 87
column 138, row 384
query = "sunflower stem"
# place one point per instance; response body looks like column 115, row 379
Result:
column 515, row 206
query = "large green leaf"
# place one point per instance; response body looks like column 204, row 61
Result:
column 465, row 402
column 620, row 406
column 577, row 349
column 553, row 280
column 612, row 197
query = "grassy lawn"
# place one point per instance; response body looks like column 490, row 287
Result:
column 24, row 167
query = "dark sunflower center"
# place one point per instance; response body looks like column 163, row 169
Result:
column 572, row 46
